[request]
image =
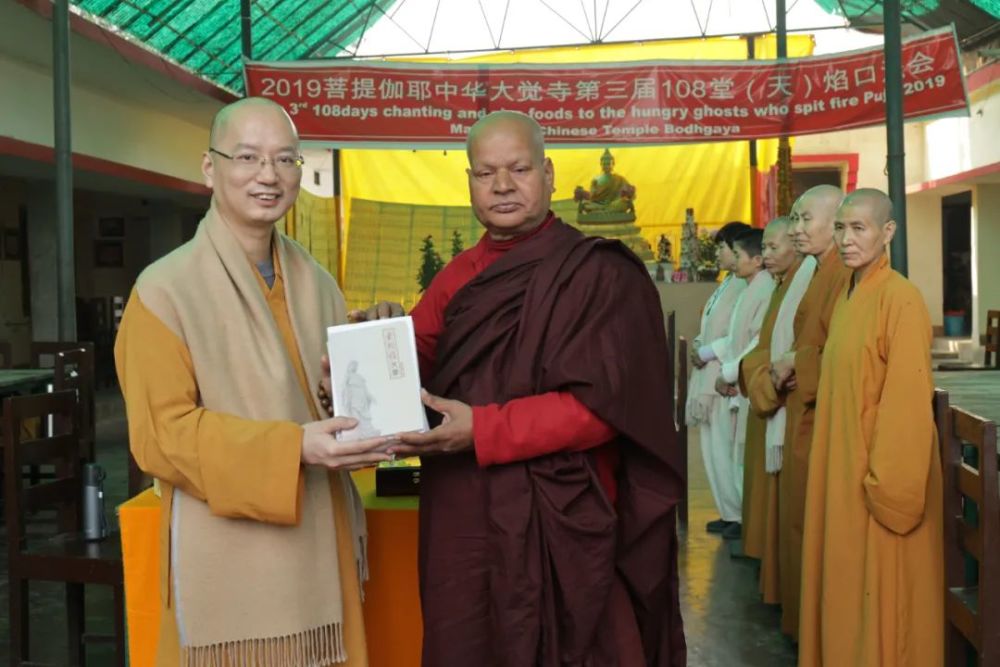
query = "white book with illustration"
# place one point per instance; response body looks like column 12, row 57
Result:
column 375, row 377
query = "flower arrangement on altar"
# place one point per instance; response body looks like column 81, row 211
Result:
column 708, row 257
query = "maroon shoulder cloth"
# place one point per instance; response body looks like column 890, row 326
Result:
column 528, row 563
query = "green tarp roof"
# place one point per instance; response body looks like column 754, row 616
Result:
column 975, row 20
column 204, row 35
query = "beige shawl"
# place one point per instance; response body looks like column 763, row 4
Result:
column 782, row 339
column 247, row 592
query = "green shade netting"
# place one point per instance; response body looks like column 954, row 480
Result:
column 855, row 9
column 204, row 35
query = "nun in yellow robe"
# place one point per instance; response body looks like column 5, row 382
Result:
column 872, row 572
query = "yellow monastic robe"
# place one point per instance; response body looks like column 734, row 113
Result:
column 159, row 383
column 812, row 323
column 873, row 564
column 760, row 489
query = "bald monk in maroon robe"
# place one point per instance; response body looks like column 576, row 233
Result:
column 549, row 489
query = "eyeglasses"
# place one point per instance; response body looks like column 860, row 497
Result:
column 248, row 161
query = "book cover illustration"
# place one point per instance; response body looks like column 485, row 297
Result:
column 375, row 377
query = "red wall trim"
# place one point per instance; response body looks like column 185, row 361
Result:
column 985, row 170
column 850, row 160
column 132, row 52
column 40, row 153
column 983, row 76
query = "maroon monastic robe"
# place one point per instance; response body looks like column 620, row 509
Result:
column 528, row 563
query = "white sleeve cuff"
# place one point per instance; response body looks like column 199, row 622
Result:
column 731, row 371
column 706, row 353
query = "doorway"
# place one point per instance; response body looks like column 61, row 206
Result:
column 956, row 247
column 809, row 177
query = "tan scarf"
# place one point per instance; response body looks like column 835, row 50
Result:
column 782, row 339
column 744, row 328
column 247, row 592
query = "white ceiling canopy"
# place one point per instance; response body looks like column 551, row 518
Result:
column 461, row 27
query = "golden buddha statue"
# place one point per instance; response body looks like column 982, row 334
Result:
column 610, row 194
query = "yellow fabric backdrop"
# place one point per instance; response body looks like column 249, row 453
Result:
column 711, row 178
column 312, row 221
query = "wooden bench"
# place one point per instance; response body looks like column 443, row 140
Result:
column 971, row 529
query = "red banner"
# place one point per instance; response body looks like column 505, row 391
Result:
column 650, row 102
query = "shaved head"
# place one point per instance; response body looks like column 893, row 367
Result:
column 828, row 195
column 812, row 219
column 778, row 225
column 864, row 228
column 247, row 106
column 508, row 120
column 510, row 179
column 779, row 250
column 252, row 163
column 875, row 200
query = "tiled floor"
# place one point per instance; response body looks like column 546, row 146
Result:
column 725, row 623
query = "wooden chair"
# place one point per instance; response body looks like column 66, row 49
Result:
column 42, row 350
column 74, row 370
column 992, row 339
column 65, row 557
column 972, row 604
column 681, row 412
column 6, row 355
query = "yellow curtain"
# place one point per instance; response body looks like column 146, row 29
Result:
column 713, row 178
column 312, row 221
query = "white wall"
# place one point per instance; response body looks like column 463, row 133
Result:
column 869, row 144
column 924, row 250
column 985, row 244
column 103, row 126
column 955, row 145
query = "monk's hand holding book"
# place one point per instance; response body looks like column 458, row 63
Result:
column 382, row 310
column 453, row 435
column 321, row 447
